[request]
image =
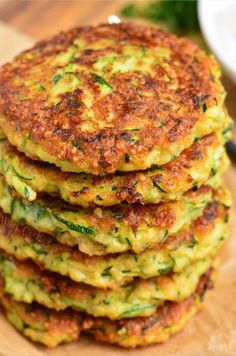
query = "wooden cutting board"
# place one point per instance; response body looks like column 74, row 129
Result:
column 211, row 333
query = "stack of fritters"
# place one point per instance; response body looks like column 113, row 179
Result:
column 111, row 159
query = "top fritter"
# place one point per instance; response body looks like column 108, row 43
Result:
column 112, row 97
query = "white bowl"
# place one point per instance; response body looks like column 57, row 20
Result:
column 218, row 24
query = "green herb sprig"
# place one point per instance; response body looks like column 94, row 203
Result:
column 178, row 16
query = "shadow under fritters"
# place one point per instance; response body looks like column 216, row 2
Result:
column 112, row 206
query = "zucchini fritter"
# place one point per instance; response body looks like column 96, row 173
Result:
column 201, row 240
column 51, row 328
column 118, row 229
column 25, row 282
column 168, row 182
column 111, row 97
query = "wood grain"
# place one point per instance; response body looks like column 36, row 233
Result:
column 42, row 18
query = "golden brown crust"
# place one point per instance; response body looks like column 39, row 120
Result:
column 203, row 225
column 65, row 326
column 155, row 104
column 163, row 316
column 194, row 167
column 119, row 228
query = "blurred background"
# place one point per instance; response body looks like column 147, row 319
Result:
column 45, row 17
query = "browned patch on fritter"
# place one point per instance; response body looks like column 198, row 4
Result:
column 205, row 222
column 128, row 193
column 58, row 286
column 47, row 319
column 202, row 226
column 52, row 282
column 161, row 215
column 164, row 316
column 171, row 176
column 176, row 171
column 162, row 111
column 71, row 323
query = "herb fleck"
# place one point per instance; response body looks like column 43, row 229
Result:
column 56, row 78
column 213, row 172
column 26, row 193
column 125, row 136
column 198, row 100
column 40, row 86
column 107, row 271
column 165, row 270
column 128, row 241
column 157, row 186
column 127, row 158
column 76, row 227
column 41, row 212
column 19, row 175
column 204, row 107
column 100, row 80
column 118, row 216
column 77, row 145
